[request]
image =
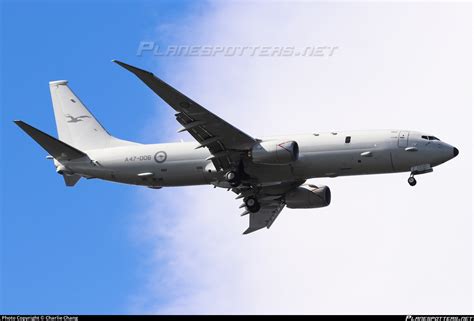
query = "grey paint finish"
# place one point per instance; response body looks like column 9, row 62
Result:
column 324, row 156
column 264, row 173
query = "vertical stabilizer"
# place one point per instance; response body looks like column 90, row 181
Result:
column 75, row 123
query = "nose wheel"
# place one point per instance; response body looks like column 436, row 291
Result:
column 412, row 180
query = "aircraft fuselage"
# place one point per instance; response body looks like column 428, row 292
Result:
column 320, row 155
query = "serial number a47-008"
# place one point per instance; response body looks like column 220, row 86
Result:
column 138, row 158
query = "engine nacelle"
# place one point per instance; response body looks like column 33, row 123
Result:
column 308, row 196
column 61, row 169
column 274, row 152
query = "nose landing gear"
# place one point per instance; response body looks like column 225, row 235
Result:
column 417, row 170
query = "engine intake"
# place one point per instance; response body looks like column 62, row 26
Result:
column 275, row 152
column 308, row 196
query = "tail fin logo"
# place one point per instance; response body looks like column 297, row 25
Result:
column 77, row 119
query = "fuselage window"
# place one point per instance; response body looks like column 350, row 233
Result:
column 348, row 139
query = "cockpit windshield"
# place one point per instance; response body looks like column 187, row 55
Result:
column 430, row 137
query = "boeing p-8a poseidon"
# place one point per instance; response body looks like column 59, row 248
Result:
column 266, row 173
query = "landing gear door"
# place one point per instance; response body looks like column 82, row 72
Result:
column 403, row 139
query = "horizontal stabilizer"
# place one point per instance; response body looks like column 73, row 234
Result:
column 56, row 148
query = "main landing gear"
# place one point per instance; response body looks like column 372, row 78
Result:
column 412, row 180
column 252, row 204
column 233, row 178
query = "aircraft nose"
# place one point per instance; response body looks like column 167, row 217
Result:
column 455, row 152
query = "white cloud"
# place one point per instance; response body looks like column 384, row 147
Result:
column 381, row 246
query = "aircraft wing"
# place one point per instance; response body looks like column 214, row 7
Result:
column 271, row 200
column 225, row 142
column 264, row 217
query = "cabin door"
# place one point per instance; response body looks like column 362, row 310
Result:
column 403, row 139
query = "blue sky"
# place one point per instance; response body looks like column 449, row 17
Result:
column 70, row 250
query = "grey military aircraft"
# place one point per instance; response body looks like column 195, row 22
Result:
column 266, row 173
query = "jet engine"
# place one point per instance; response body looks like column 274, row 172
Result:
column 308, row 196
column 61, row 169
column 275, row 152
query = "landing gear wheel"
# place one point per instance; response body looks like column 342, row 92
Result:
column 232, row 178
column 252, row 204
column 412, row 181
